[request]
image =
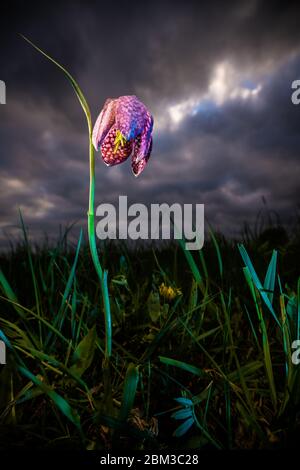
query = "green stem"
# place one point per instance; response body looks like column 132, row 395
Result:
column 102, row 275
column 91, row 216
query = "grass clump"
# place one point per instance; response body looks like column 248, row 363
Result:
column 201, row 353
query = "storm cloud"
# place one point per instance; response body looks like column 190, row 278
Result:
column 217, row 81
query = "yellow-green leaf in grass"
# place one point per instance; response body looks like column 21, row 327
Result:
column 249, row 421
column 252, row 326
column 16, row 334
column 84, row 353
column 293, row 311
column 38, row 317
column 54, row 363
column 60, row 317
column 73, row 310
column 189, row 257
column 5, row 385
column 292, row 391
column 203, row 264
column 218, row 251
column 193, row 301
column 192, row 264
column 7, row 290
column 129, row 391
column 33, row 276
column 29, row 395
column 153, row 306
column 7, row 342
column 208, row 333
column 59, row 401
column 182, row 365
column 286, row 340
column 71, row 279
column 247, row 370
column 265, row 340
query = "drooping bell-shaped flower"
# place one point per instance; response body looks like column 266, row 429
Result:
column 124, row 128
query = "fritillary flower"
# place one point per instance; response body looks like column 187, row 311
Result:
column 123, row 128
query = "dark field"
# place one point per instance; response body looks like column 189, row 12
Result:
column 201, row 353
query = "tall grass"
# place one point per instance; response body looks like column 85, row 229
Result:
column 208, row 368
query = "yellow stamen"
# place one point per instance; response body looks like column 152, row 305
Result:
column 119, row 140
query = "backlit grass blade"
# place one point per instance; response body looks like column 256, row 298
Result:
column 227, row 395
column 60, row 316
column 84, row 353
column 70, row 280
column 17, row 335
column 252, row 327
column 265, row 340
column 269, row 283
column 5, row 340
column 91, row 214
column 203, row 264
column 129, row 391
column 50, row 360
column 59, row 401
column 45, row 322
column 286, row 340
column 229, row 341
column 257, row 282
column 192, row 264
column 182, row 365
column 249, row 422
column 34, row 279
column 74, row 308
column 206, row 409
column 218, row 251
column 71, row 79
column 298, row 309
column 107, row 315
column 7, row 290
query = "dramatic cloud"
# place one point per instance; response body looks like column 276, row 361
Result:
column 217, row 80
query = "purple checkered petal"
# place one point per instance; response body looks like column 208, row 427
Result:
column 145, row 138
column 138, row 165
column 104, row 123
column 131, row 116
column 111, row 156
column 124, row 126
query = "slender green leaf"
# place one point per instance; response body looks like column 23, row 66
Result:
column 182, row 365
column 59, row 401
column 84, row 353
column 129, row 392
column 269, row 283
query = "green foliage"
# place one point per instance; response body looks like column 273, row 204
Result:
column 84, row 353
column 223, row 347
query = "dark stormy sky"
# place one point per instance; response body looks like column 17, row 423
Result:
column 215, row 75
